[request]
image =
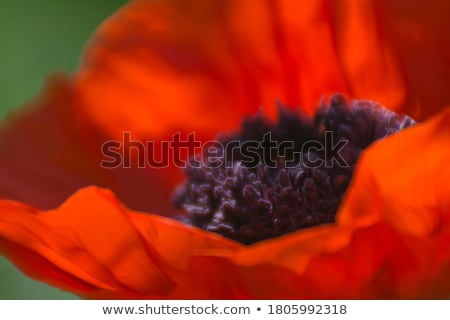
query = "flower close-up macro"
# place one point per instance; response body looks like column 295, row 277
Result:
column 81, row 213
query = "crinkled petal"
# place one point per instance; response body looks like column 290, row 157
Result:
column 159, row 67
column 201, row 65
column 95, row 247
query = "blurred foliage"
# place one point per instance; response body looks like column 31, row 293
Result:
column 36, row 38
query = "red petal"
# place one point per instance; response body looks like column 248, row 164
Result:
column 394, row 52
column 48, row 151
column 201, row 65
column 416, row 32
column 42, row 160
column 94, row 247
column 157, row 67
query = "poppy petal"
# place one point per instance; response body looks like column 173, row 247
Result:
column 48, row 151
column 201, row 65
column 42, row 160
column 416, row 32
column 394, row 52
column 94, row 247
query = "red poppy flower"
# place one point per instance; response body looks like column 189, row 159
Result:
column 159, row 67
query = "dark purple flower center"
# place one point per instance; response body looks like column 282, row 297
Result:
column 270, row 179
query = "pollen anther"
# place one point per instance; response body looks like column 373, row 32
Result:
column 285, row 189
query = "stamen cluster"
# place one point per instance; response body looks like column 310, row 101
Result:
column 252, row 202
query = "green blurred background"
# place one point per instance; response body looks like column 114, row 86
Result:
column 36, row 38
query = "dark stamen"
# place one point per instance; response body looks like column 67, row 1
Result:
column 279, row 180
